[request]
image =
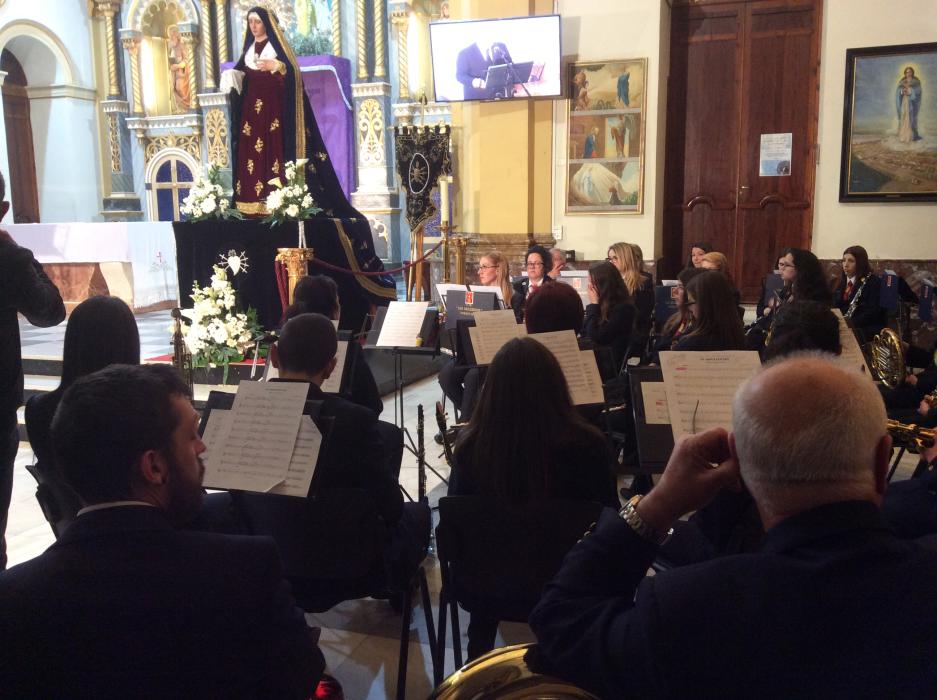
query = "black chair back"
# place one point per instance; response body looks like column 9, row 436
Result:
column 499, row 558
column 59, row 503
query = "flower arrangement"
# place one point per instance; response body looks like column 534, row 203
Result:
column 292, row 201
column 218, row 334
column 208, row 200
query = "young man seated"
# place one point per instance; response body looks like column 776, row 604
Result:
column 356, row 453
column 124, row 604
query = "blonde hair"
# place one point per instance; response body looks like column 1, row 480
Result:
column 503, row 279
column 718, row 259
column 630, row 264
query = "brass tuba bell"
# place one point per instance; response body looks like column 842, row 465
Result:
column 887, row 358
column 505, row 674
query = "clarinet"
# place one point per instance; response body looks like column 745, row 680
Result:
column 855, row 300
column 420, row 455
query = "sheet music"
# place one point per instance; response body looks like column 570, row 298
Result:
column 852, row 353
column 442, row 289
column 580, row 370
column 492, row 330
column 402, row 324
column 303, row 464
column 655, row 403
column 700, row 387
column 253, row 451
column 333, row 385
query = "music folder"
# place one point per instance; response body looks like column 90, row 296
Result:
column 462, row 304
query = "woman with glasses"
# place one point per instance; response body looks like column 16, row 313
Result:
column 538, row 264
column 493, row 271
column 610, row 314
column 716, row 324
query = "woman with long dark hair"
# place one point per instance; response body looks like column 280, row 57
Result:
column 697, row 251
column 716, row 322
column 803, row 276
column 525, row 441
column 318, row 294
column 857, row 294
column 610, row 315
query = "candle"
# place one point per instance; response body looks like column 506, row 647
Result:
column 443, row 200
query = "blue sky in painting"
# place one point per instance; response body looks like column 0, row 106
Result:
column 876, row 81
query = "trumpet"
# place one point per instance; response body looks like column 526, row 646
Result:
column 909, row 436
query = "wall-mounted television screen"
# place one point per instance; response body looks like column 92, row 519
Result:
column 496, row 59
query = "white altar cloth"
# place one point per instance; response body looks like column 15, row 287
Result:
column 137, row 259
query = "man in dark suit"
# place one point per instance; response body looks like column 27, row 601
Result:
column 833, row 605
column 24, row 288
column 358, row 453
column 472, row 65
column 125, row 605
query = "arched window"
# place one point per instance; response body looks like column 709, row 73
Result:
column 170, row 186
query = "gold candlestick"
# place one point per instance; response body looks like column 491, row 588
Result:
column 296, row 261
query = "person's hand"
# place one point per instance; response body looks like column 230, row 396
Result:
column 911, row 379
column 923, row 408
column 478, row 83
column 593, row 294
column 268, row 64
column 699, row 467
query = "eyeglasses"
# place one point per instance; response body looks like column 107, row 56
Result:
column 782, row 264
column 486, row 267
column 535, row 264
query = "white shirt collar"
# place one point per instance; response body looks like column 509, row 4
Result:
column 112, row 504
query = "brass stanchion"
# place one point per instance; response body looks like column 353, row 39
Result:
column 460, row 242
column 296, row 261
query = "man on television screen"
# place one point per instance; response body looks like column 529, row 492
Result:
column 472, row 69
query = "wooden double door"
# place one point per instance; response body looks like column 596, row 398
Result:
column 741, row 70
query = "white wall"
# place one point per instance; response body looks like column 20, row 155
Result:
column 893, row 230
column 605, row 30
column 52, row 41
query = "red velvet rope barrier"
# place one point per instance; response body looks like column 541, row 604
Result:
column 336, row 268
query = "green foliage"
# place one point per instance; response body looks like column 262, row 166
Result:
column 318, row 41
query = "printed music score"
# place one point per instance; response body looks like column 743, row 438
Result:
column 655, row 403
column 852, row 353
column 333, row 385
column 303, row 463
column 579, row 366
column 402, row 324
column 700, row 386
column 252, row 449
column 493, row 329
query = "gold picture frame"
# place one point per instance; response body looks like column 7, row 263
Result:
column 605, row 126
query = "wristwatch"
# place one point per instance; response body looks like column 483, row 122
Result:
column 629, row 513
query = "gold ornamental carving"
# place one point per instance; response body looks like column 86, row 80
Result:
column 208, row 54
column 131, row 45
column 370, row 133
column 336, row 27
column 380, row 59
column 221, row 30
column 113, row 135
column 188, row 45
column 361, row 37
column 189, row 144
column 216, row 128
column 401, row 20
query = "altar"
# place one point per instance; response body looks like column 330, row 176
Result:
column 135, row 261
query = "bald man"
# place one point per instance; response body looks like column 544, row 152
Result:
column 832, row 605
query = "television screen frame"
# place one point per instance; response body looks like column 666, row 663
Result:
column 517, row 52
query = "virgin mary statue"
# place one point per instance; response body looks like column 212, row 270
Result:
column 275, row 124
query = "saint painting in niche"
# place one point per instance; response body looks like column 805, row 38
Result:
column 178, row 71
column 908, row 102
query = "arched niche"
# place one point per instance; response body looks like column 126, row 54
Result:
column 43, row 56
column 144, row 15
column 163, row 65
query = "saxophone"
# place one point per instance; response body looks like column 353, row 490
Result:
column 181, row 357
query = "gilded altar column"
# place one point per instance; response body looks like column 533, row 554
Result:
column 401, row 21
column 361, row 39
column 336, row 27
column 221, row 30
column 108, row 9
column 380, row 54
column 130, row 39
column 187, row 32
column 208, row 55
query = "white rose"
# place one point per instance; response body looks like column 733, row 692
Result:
column 292, row 210
column 208, row 205
column 307, row 201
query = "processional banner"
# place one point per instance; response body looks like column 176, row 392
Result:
column 422, row 155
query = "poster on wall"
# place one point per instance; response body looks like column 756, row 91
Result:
column 890, row 124
column 605, row 137
column 775, row 155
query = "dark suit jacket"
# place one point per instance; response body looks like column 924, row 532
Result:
column 615, row 331
column 471, row 64
column 354, row 455
column 868, row 317
column 834, row 605
column 519, row 297
column 125, row 606
column 24, row 288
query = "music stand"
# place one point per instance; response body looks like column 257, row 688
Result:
column 502, row 77
column 655, row 442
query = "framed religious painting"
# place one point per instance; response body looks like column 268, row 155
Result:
column 890, row 124
column 605, row 137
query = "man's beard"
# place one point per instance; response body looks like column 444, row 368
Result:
column 185, row 496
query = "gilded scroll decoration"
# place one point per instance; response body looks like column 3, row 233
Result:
column 113, row 133
column 216, row 129
column 189, row 144
column 370, row 133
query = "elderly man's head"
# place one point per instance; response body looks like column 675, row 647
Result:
column 809, row 430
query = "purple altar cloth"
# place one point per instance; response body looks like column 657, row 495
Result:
column 327, row 80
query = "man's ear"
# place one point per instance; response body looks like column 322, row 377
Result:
column 330, row 367
column 152, row 468
column 4, row 208
column 274, row 356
